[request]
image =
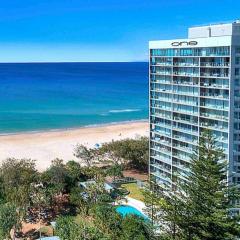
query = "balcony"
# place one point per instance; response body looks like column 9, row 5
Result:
column 185, row 64
column 185, row 130
column 215, row 107
column 169, row 64
column 164, row 150
column 182, row 157
column 214, row 116
column 177, row 73
column 161, row 90
column 215, row 64
column 159, row 166
column 161, row 81
column 190, row 94
column 185, row 139
column 215, row 95
column 188, row 83
column 215, row 75
column 161, row 107
column 185, row 121
column 182, row 111
column 183, row 148
column 161, row 175
column 163, row 158
column 167, row 134
column 162, row 115
column 179, row 165
column 214, row 126
column 210, row 85
column 163, row 73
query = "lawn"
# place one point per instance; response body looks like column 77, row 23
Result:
column 46, row 230
column 135, row 191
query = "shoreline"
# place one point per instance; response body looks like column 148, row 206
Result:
column 45, row 146
column 73, row 128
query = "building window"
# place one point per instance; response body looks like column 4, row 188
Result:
column 237, row 60
column 237, row 49
column 237, row 71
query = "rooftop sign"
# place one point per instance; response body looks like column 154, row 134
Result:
column 184, row 43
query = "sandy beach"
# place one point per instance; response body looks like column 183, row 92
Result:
column 46, row 146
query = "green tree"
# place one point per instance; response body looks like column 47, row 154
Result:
column 114, row 171
column 8, row 220
column 40, row 199
column 87, row 155
column 68, row 229
column 107, row 220
column 55, row 177
column 133, row 153
column 74, row 174
column 136, row 228
column 2, row 194
column 76, row 198
column 16, row 179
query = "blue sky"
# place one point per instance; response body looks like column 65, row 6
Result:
column 99, row 30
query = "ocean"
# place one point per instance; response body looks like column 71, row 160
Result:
column 51, row 96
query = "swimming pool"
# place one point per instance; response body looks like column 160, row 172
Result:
column 125, row 210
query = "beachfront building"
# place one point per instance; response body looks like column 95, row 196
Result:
column 194, row 85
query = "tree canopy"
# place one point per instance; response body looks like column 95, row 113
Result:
column 133, row 153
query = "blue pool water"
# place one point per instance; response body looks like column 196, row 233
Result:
column 45, row 96
column 125, row 210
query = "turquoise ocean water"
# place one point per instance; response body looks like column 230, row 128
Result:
column 49, row 96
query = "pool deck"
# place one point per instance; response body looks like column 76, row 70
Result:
column 139, row 205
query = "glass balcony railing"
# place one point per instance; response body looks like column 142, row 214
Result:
column 214, row 116
column 162, row 123
column 185, row 83
column 176, row 100
column 183, row 138
column 166, row 159
column 182, row 157
column 214, row 126
column 161, row 175
column 162, row 132
column 185, row 64
column 161, row 107
column 161, row 90
column 161, row 81
column 187, row 130
column 224, row 96
column 214, row 85
column 163, row 73
column 204, row 74
column 218, row 107
column 159, row 166
column 181, row 166
column 162, row 115
column 163, row 142
column 188, row 93
column 185, row 120
column 183, row 148
column 159, row 98
column 159, row 146
column 177, row 73
column 162, row 63
column 182, row 111
column 215, row 64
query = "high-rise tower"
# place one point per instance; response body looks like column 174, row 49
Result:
column 194, row 85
